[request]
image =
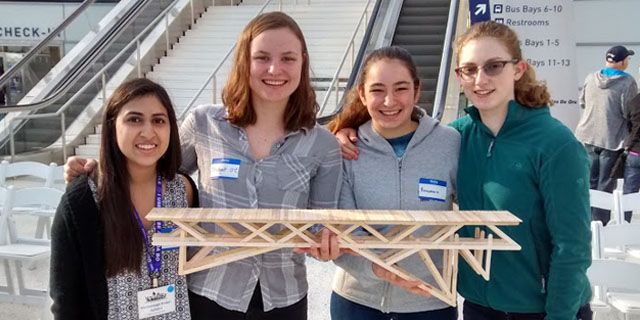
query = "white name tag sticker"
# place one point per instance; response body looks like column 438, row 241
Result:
column 432, row 189
column 225, row 168
column 156, row 301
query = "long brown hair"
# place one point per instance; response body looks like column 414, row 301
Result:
column 123, row 238
column 528, row 91
column 236, row 96
column 355, row 113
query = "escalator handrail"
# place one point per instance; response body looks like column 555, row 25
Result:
column 81, row 66
column 445, row 62
column 355, row 71
column 60, row 112
column 43, row 43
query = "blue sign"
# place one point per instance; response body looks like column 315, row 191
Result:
column 480, row 10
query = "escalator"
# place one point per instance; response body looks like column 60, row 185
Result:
column 37, row 134
column 421, row 29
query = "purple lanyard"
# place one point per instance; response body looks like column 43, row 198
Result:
column 153, row 263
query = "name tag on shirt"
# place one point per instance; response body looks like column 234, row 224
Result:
column 432, row 189
column 225, row 168
column 156, row 301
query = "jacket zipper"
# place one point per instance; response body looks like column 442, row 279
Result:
column 400, row 183
column 484, row 177
column 493, row 140
column 384, row 305
column 386, row 296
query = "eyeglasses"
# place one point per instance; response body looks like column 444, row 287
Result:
column 492, row 69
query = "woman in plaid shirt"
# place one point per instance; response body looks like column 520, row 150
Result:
column 261, row 149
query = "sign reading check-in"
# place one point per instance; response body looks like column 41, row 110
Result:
column 545, row 29
column 29, row 22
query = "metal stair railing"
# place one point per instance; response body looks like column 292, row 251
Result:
column 355, row 70
column 445, row 63
column 99, row 75
column 349, row 49
column 43, row 43
column 213, row 75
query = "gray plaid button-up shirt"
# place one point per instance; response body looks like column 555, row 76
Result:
column 303, row 170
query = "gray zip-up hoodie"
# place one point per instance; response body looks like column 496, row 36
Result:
column 379, row 180
column 605, row 102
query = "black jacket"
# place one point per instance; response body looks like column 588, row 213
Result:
column 632, row 142
column 78, row 282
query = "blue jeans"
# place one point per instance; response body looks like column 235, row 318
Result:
column 602, row 160
column 343, row 309
column 631, row 178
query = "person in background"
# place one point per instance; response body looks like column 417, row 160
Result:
column 632, row 146
column 602, row 128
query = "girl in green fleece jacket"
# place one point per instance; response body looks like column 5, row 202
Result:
column 514, row 156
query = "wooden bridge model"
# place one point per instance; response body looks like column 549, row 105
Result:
column 250, row 232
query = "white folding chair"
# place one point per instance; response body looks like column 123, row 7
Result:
column 606, row 240
column 5, row 290
column 51, row 175
column 630, row 202
column 621, row 282
column 602, row 200
column 23, row 168
column 23, row 252
column 618, row 203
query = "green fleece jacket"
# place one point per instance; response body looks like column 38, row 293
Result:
column 536, row 169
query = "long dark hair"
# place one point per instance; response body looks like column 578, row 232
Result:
column 236, row 95
column 123, row 238
column 355, row 113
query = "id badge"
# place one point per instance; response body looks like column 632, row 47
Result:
column 156, row 301
column 225, row 168
column 432, row 189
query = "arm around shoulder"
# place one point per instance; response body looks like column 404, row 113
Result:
column 325, row 184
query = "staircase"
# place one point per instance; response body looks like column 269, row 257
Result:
column 421, row 30
column 327, row 26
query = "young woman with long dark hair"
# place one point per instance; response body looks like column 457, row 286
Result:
column 103, row 265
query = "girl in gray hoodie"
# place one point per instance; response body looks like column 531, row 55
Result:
column 392, row 172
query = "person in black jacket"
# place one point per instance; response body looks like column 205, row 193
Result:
column 102, row 259
column 632, row 145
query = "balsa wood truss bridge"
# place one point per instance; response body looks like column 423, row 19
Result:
column 250, row 232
